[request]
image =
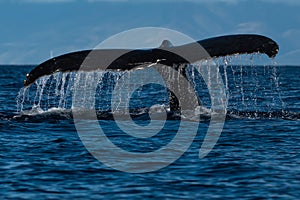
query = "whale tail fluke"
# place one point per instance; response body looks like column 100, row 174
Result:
column 129, row 59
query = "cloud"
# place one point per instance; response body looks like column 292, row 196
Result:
column 13, row 57
column 291, row 39
column 72, row 1
column 289, row 58
column 44, row 1
column 137, row 1
column 291, row 33
column 233, row 2
column 288, row 2
column 250, row 27
column 215, row 1
column 93, row 1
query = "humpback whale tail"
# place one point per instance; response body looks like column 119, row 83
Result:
column 129, row 59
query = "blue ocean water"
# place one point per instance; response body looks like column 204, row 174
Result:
column 257, row 155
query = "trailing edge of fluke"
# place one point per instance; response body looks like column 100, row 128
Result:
column 128, row 59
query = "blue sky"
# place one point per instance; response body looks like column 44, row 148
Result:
column 30, row 29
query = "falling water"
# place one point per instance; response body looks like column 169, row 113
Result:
column 248, row 89
column 253, row 90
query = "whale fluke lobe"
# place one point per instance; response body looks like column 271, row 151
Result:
column 128, row 59
column 240, row 44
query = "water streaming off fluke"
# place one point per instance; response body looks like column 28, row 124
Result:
column 247, row 95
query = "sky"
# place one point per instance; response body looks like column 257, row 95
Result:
column 33, row 30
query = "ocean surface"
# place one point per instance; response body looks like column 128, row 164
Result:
column 256, row 157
